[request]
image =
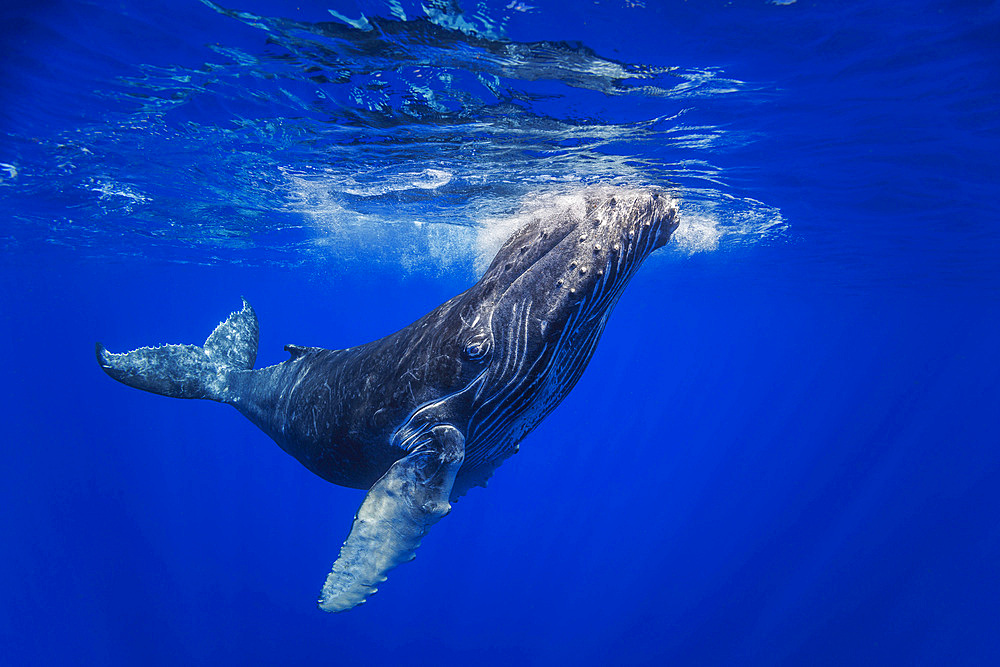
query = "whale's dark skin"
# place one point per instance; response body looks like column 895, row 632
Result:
column 422, row 415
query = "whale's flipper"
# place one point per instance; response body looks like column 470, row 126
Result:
column 189, row 371
column 395, row 515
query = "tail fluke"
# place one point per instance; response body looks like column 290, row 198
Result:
column 189, row 371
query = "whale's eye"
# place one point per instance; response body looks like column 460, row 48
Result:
column 477, row 347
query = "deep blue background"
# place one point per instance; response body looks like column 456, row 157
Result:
column 782, row 453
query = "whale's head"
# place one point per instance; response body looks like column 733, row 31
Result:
column 568, row 266
column 543, row 304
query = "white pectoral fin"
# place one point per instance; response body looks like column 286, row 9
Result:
column 395, row 515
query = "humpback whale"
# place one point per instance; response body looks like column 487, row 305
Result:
column 419, row 417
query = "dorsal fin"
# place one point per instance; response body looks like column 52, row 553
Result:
column 298, row 350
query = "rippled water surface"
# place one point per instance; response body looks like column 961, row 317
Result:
column 290, row 135
column 783, row 452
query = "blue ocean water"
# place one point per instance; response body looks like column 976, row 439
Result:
column 785, row 451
